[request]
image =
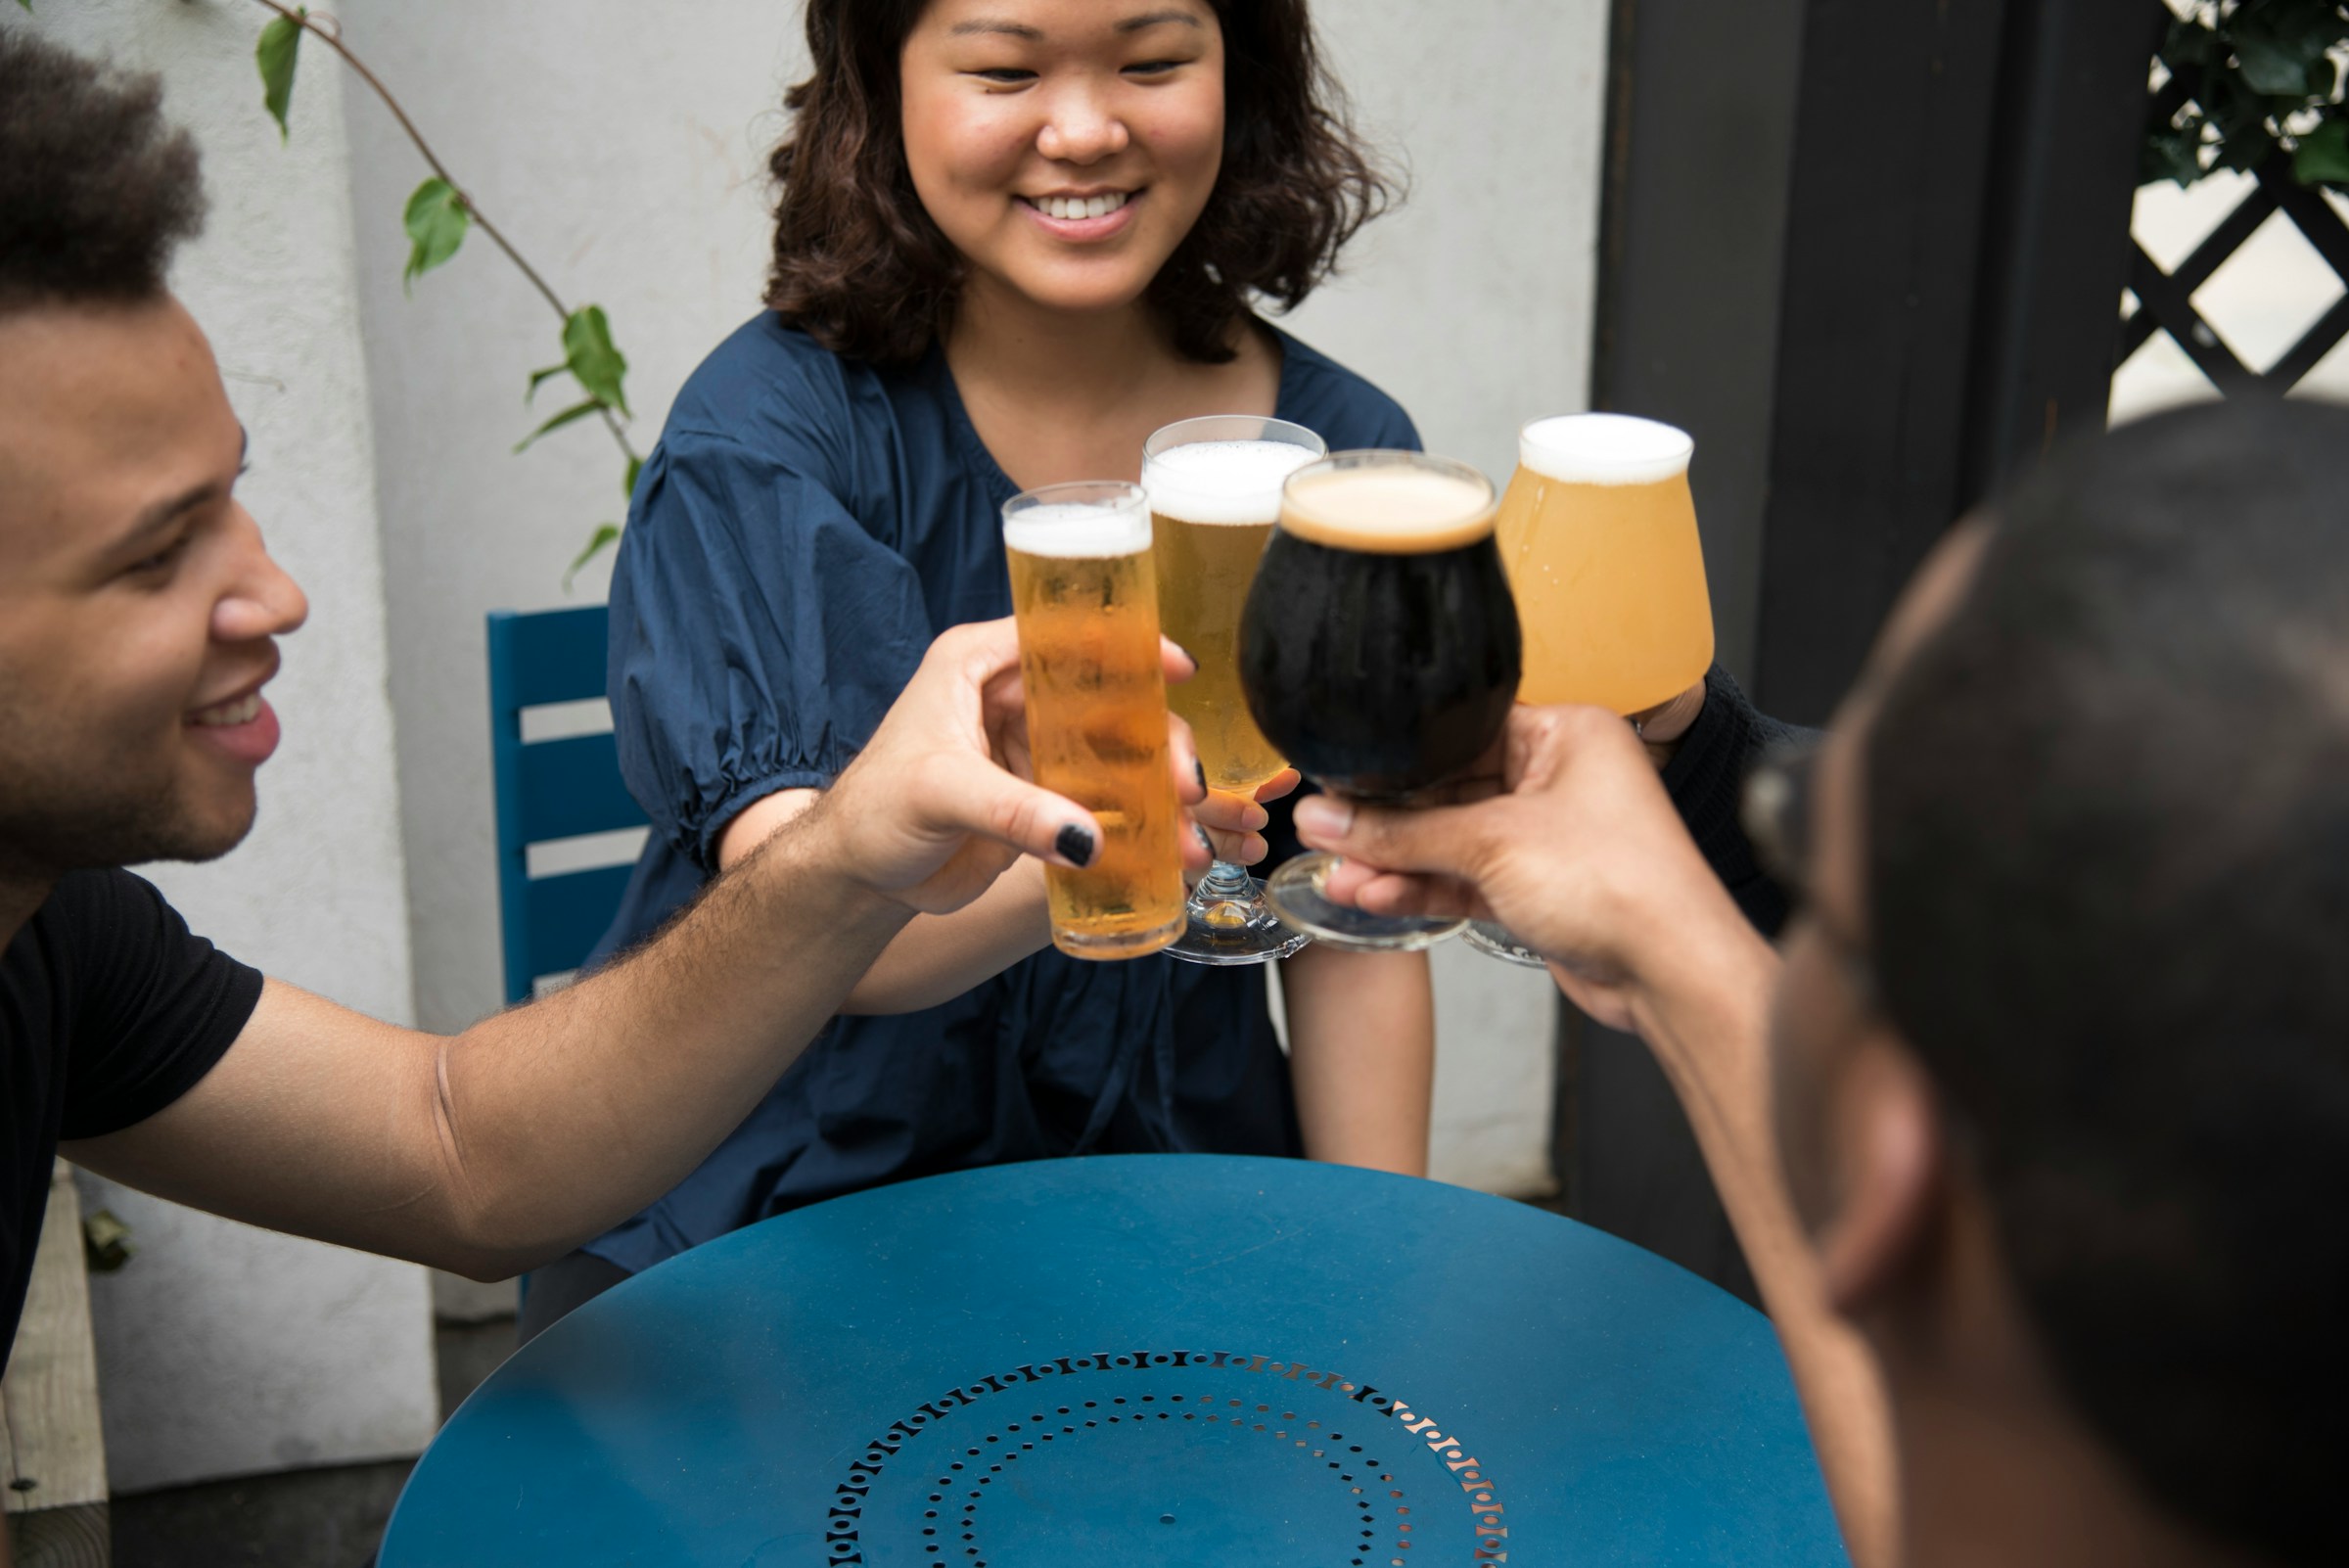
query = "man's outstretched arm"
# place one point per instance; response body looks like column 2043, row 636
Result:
column 493, row 1150
column 1576, row 847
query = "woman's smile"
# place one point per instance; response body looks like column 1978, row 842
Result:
column 1082, row 217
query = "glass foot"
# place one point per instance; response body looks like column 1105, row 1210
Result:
column 1295, row 891
column 1230, row 923
column 1495, row 942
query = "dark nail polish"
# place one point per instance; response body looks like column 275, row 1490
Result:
column 1075, row 845
column 1199, row 769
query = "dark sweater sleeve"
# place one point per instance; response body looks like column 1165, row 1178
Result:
column 1706, row 780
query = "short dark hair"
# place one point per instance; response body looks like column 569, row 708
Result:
column 2109, row 884
column 861, row 266
column 96, row 188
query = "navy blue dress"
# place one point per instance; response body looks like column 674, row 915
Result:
column 806, row 527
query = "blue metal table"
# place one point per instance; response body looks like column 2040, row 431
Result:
column 1171, row 1359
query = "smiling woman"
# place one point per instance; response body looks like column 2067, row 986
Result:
column 1013, row 238
column 1236, row 114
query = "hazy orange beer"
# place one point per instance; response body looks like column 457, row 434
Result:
column 1599, row 534
column 1087, row 602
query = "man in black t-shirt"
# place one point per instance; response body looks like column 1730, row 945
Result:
column 138, row 619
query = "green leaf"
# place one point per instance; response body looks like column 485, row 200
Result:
column 627, row 487
column 436, row 220
column 2275, row 43
column 280, row 42
column 105, row 1242
column 539, row 378
column 604, row 534
column 576, row 412
column 2322, row 157
column 26, row 4
column 2174, row 153
column 590, row 357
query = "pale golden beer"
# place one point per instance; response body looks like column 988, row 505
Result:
column 1214, row 493
column 1598, row 534
column 1087, row 608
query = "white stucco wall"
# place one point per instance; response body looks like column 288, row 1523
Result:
column 628, row 161
column 223, row 1349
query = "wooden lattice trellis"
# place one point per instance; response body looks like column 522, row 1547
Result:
column 2165, row 300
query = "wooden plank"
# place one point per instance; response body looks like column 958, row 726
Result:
column 80, row 1536
column 55, row 1456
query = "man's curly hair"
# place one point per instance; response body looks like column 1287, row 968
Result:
column 862, row 268
column 96, row 188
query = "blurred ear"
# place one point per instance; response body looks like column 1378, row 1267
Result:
column 1888, row 1170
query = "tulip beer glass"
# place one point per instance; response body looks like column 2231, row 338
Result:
column 1379, row 651
column 1214, row 493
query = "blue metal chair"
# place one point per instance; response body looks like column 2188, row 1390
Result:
column 553, row 789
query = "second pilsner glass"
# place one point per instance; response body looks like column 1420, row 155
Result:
column 1379, row 651
column 1087, row 608
column 1215, row 491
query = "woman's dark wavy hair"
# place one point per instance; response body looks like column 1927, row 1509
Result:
column 862, row 268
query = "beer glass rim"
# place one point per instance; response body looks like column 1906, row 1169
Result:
column 1647, row 451
column 1231, row 428
column 1467, row 530
column 1110, row 496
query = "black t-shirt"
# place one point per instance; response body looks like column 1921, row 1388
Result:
column 110, row 1011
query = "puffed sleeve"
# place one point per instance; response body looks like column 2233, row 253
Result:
column 759, row 634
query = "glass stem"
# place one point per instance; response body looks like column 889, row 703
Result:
column 1223, row 880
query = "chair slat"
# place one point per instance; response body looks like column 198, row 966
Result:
column 568, row 915
column 550, row 656
column 572, row 786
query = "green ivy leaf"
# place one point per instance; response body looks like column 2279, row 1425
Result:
column 604, row 534
column 436, row 220
column 571, row 415
column 281, row 42
column 590, row 357
column 2322, row 157
column 539, row 378
column 2174, row 153
column 2275, row 43
column 26, row 4
column 627, row 487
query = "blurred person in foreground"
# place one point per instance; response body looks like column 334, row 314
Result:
column 138, row 619
column 2045, row 1094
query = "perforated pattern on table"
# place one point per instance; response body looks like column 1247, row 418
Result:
column 1212, row 1424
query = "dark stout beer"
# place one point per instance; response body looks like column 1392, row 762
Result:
column 1379, row 651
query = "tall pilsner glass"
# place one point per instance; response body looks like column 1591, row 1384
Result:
column 1379, row 651
column 1087, row 608
column 1215, row 491
column 1598, row 533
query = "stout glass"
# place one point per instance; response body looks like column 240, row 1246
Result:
column 1598, row 534
column 1087, row 608
column 1379, row 650
column 1215, row 491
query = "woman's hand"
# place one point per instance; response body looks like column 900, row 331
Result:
column 1234, row 823
column 1661, row 726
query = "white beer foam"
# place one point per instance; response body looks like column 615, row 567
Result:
column 1605, row 450
column 1222, row 482
column 1396, row 510
column 1073, row 531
